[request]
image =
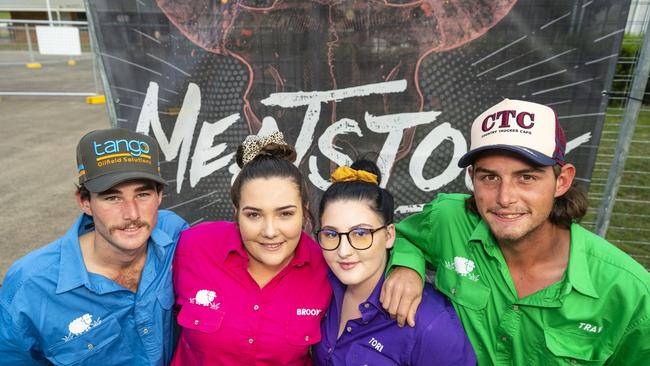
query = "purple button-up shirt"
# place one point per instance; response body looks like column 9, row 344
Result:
column 375, row 339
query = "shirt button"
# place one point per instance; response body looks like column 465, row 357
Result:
column 366, row 305
column 256, row 307
column 145, row 331
column 306, row 338
column 515, row 307
column 349, row 329
column 453, row 291
column 196, row 322
column 573, row 362
column 329, row 350
column 90, row 346
column 504, row 338
column 250, row 340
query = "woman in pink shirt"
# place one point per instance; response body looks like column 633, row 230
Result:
column 253, row 292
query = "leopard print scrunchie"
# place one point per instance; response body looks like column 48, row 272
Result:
column 254, row 144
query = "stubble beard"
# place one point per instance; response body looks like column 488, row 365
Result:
column 513, row 241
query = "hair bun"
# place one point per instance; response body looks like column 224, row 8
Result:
column 369, row 166
column 359, row 182
column 279, row 151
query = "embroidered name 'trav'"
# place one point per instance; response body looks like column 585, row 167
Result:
column 590, row 328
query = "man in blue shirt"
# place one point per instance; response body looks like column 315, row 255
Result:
column 102, row 293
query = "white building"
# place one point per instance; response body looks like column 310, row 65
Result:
column 37, row 9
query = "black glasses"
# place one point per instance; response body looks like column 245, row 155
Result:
column 359, row 238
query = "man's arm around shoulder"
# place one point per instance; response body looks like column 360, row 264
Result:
column 417, row 241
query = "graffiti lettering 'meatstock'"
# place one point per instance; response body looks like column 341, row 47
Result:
column 207, row 158
column 393, row 125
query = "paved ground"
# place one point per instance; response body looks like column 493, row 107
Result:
column 37, row 153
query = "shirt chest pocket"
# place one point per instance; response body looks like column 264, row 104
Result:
column 200, row 318
column 462, row 290
column 362, row 355
column 101, row 344
column 165, row 292
column 303, row 333
column 570, row 348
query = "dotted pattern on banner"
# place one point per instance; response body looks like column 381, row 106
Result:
column 221, row 81
column 447, row 85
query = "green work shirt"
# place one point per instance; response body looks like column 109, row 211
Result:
column 599, row 313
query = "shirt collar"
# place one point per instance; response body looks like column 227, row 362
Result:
column 303, row 253
column 72, row 269
column 372, row 307
column 483, row 235
column 481, row 232
column 578, row 268
column 230, row 241
column 369, row 308
column 160, row 240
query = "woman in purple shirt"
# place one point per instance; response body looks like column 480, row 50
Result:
column 356, row 232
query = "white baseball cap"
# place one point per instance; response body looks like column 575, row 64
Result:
column 528, row 129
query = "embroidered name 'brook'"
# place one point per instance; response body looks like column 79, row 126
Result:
column 313, row 312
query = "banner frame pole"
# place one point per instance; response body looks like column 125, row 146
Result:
column 49, row 12
column 30, row 48
column 97, row 61
column 628, row 125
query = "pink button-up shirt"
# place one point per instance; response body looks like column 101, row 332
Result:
column 227, row 319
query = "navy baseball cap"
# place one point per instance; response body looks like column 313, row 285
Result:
column 525, row 128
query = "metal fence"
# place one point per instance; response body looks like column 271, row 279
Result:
column 25, row 71
column 619, row 193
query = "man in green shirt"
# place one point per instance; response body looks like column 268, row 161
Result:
column 530, row 285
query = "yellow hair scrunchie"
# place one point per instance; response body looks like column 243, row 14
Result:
column 347, row 174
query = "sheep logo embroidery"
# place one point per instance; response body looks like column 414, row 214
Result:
column 205, row 298
column 80, row 326
column 463, row 267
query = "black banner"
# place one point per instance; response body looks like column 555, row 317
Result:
column 397, row 81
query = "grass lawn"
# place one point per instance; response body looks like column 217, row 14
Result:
column 627, row 228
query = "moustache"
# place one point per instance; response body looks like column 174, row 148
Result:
column 137, row 223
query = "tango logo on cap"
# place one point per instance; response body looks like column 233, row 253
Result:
column 108, row 157
column 111, row 149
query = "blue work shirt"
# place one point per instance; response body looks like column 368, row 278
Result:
column 375, row 339
column 53, row 310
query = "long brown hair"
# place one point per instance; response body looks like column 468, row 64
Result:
column 569, row 208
